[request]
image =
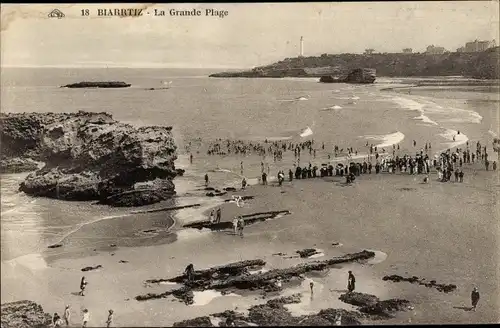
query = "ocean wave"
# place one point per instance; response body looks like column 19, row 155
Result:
column 387, row 139
column 425, row 119
column 334, row 107
column 81, row 225
column 306, row 132
column 30, row 261
column 454, row 138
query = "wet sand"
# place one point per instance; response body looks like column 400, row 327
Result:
column 440, row 231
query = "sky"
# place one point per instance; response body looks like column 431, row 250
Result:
column 250, row 35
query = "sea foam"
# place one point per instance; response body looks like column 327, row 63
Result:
column 449, row 134
column 388, row 139
column 306, row 132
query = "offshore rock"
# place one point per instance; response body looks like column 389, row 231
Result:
column 91, row 156
column 24, row 314
column 386, row 308
column 17, row 165
column 105, row 84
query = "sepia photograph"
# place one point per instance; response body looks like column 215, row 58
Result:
column 250, row 164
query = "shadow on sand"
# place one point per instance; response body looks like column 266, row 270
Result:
column 465, row 308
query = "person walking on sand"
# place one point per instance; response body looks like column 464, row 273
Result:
column 351, row 282
column 83, row 285
column 86, row 317
column 206, row 180
column 474, row 297
column 66, row 315
column 243, row 183
column 109, row 322
column 311, row 286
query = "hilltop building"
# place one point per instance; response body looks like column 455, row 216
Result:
column 433, row 50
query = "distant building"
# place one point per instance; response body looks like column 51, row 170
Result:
column 461, row 49
column 301, row 47
column 369, row 51
column 407, row 50
column 478, row 46
column 433, row 50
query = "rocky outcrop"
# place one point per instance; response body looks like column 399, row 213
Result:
column 274, row 313
column 105, row 84
column 236, row 276
column 91, row 156
column 24, row 314
column 483, row 65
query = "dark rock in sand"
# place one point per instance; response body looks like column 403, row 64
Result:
column 229, row 189
column 278, row 302
column 196, row 322
column 209, row 188
column 210, row 194
column 307, row 252
column 90, row 268
column 17, row 165
column 248, row 218
column 180, row 172
column 359, row 299
column 122, row 261
column 446, row 288
column 24, row 314
column 105, row 84
column 386, row 308
column 91, row 156
column 236, row 275
column 279, row 254
column 55, row 246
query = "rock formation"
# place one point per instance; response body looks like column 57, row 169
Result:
column 24, row 314
column 91, row 156
column 446, row 288
column 105, row 84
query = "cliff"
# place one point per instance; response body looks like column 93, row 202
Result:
column 484, row 65
column 105, row 84
column 91, row 156
column 24, row 314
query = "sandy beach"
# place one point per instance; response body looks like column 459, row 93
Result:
column 440, row 231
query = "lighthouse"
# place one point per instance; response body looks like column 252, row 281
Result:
column 301, row 47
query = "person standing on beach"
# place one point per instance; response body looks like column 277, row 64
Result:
column 206, row 180
column 243, row 183
column 218, row 215
column 86, row 317
column 494, row 166
column 264, row 178
column 474, row 297
column 110, row 319
column 235, row 225
column 290, row 175
column 190, row 158
column 351, row 282
column 83, row 285
column 66, row 315
column 241, row 167
column 241, row 225
column 212, row 217
column 189, row 271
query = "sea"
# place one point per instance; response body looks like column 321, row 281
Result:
column 202, row 109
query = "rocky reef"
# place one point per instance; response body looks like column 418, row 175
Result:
column 237, row 276
column 24, row 314
column 90, row 156
column 104, row 84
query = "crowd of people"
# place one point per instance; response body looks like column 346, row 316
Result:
column 57, row 321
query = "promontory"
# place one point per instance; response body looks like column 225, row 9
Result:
column 104, row 84
column 89, row 156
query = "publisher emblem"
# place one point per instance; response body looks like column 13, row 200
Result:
column 56, row 13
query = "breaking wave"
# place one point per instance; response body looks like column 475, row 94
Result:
column 306, row 132
column 388, row 139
